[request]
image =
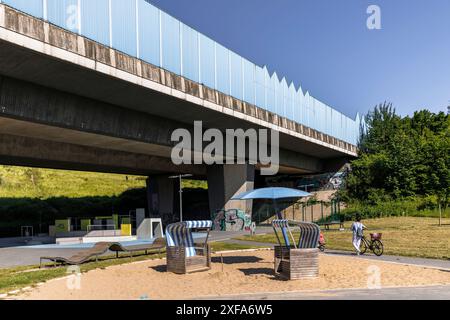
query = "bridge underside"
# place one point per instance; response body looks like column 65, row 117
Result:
column 66, row 110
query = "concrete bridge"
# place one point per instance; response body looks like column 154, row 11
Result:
column 69, row 101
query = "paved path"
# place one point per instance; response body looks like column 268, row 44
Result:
column 404, row 293
column 17, row 255
column 433, row 263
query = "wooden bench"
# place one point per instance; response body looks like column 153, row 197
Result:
column 327, row 224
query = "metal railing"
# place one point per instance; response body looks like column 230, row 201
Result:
column 100, row 231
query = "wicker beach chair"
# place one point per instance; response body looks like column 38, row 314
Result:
column 183, row 254
column 297, row 261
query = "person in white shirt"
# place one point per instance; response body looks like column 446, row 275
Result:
column 358, row 233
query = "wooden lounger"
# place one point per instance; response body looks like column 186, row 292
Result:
column 82, row 256
column 158, row 245
column 102, row 248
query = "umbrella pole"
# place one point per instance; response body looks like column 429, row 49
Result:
column 283, row 230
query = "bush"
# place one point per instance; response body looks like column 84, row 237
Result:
column 411, row 206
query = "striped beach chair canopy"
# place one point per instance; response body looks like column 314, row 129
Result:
column 309, row 235
column 309, row 232
column 180, row 234
column 280, row 224
column 283, row 225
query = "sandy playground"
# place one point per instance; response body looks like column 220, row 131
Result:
column 243, row 272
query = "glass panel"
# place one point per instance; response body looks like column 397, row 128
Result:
column 171, row 52
column 190, row 53
column 124, row 37
column 249, row 81
column 236, row 76
column 95, row 20
column 223, row 69
column 63, row 13
column 32, row 7
column 149, row 33
column 207, row 62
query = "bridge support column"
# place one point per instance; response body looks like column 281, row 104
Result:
column 162, row 197
column 226, row 181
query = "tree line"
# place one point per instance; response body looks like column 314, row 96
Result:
column 401, row 158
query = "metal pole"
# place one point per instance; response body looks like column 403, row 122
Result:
column 181, row 199
column 180, row 179
column 321, row 210
column 280, row 216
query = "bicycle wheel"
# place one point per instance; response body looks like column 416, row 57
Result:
column 363, row 248
column 377, row 247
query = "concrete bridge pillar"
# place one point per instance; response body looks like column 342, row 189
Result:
column 163, row 197
column 226, row 181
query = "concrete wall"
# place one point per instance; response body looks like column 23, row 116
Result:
column 163, row 197
column 226, row 181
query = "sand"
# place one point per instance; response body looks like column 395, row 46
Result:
column 244, row 272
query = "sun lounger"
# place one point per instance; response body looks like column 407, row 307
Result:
column 158, row 245
column 297, row 261
column 183, row 254
column 101, row 248
column 82, row 256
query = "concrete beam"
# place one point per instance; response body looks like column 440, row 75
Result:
column 25, row 151
column 59, row 116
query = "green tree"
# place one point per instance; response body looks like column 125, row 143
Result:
column 402, row 157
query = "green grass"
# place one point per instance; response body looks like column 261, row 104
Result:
column 22, row 182
column 12, row 279
column 404, row 236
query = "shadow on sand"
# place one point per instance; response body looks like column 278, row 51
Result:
column 162, row 268
column 235, row 260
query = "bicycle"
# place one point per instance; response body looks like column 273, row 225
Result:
column 375, row 244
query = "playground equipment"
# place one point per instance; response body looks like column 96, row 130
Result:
column 150, row 228
column 131, row 226
column 297, row 261
column 232, row 220
column 183, row 254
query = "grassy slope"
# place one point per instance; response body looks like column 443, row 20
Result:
column 417, row 237
column 22, row 182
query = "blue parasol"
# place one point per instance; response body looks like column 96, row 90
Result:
column 273, row 194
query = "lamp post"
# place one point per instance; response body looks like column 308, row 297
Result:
column 180, row 178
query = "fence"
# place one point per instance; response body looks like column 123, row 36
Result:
column 305, row 212
column 141, row 30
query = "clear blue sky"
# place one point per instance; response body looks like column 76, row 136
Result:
column 326, row 47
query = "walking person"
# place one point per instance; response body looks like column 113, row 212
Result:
column 358, row 233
